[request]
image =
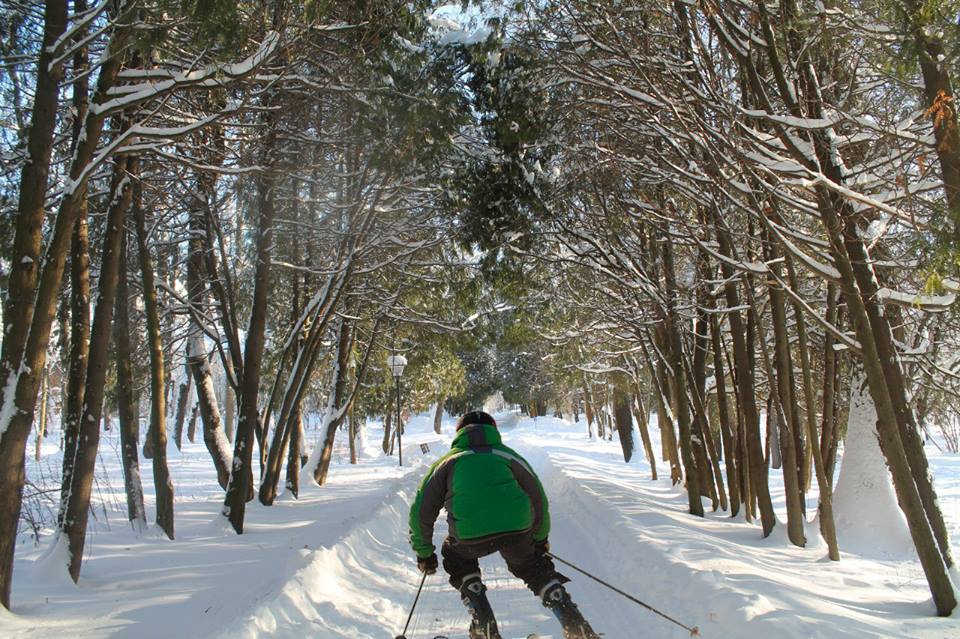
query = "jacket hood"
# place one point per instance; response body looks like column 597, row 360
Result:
column 476, row 435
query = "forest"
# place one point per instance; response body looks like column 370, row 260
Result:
column 219, row 218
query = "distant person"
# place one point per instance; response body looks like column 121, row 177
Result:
column 494, row 503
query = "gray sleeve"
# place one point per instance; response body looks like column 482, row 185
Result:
column 433, row 494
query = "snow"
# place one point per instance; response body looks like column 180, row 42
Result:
column 452, row 32
column 9, row 407
column 864, row 503
column 208, row 76
column 931, row 303
column 336, row 563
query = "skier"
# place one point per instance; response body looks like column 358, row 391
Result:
column 494, row 502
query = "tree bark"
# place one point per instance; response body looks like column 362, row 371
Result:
column 229, row 397
column 387, row 421
column 587, row 404
column 827, row 525
column 240, row 487
column 214, row 437
column 183, row 395
column 668, row 436
column 126, row 407
column 941, row 106
column 295, row 454
column 676, row 355
column 79, row 352
column 780, row 375
column 623, row 417
column 643, row 417
column 79, row 291
column 157, row 431
column 828, row 422
column 42, row 424
column 81, row 484
column 438, row 416
column 730, row 440
column 338, row 400
column 352, row 434
column 744, row 381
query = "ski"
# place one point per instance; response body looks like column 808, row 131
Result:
column 530, row 636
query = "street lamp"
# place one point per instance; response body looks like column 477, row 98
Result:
column 396, row 364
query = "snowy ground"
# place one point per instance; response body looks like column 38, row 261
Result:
column 336, row 563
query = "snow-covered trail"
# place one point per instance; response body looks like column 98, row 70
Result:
column 608, row 517
column 337, row 562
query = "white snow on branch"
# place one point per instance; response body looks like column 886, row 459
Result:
column 209, row 76
column 931, row 303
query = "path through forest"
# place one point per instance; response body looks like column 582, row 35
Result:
column 337, row 562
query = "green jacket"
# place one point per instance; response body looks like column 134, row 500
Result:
column 487, row 489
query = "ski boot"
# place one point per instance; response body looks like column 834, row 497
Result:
column 557, row 599
column 483, row 625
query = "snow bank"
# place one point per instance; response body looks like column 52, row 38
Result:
column 869, row 520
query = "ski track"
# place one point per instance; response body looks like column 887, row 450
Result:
column 337, row 564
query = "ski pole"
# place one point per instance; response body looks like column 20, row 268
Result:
column 403, row 635
column 694, row 632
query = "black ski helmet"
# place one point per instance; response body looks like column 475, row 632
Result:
column 476, row 417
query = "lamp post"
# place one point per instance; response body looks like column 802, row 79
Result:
column 396, row 363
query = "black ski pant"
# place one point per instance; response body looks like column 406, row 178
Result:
column 460, row 560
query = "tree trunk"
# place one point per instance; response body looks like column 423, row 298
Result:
column 81, row 484
column 941, row 105
column 643, row 417
column 192, row 427
column 42, row 424
column 624, row 420
column 352, row 433
column 198, row 364
column 79, row 293
column 779, row 373
column 157, row 431
column 79, row 352
column 28, row 230
column 438, row 416
column 668, row 436
column 756, row 470
column 126, row 407
column 240, row 486
column 183, row 396
column 827, row 525
column 294, row 454
column 231, row 401
column 676, row 355
column 704, row 449
column 587, row 404
column 387, row 420
column 708, row 457
column 727, row 432
column 828, row 422
column 214, row 436
column 338, row 400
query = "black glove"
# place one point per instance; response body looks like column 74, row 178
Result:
column 427, row 564
column 542, row 547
